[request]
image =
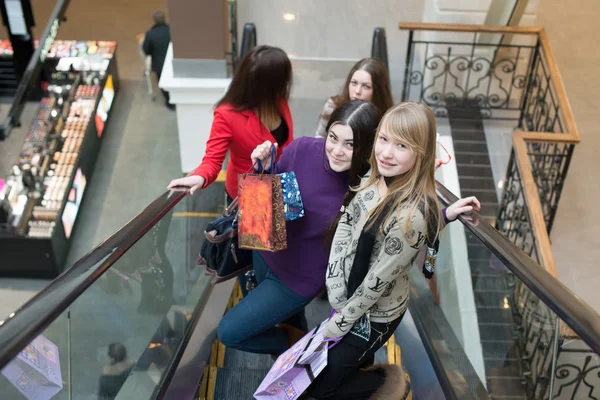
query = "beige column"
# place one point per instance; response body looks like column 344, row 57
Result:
column 198, row 36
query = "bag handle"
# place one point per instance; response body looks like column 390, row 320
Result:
column 231, row 208
column 274, row 166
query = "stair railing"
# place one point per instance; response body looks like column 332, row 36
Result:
column 513, row 78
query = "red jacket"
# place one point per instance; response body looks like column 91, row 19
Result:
column 239, row 132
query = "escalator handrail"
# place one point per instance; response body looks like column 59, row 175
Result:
column 576, row 313
column 379, row 46
column 31, row 319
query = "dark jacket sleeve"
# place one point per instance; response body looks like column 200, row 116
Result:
column 147, row 46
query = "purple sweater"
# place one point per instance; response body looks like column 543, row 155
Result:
column 303, row 264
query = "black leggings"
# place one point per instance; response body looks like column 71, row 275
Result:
column 342, row 378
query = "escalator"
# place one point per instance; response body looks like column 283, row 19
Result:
column 136, row 319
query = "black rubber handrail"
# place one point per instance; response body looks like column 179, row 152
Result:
column 248, row 39
column 576, row 313
column 31, row 319
column 379, row 46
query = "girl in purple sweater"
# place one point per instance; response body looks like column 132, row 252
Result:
column 271, row 317
column 288, row 280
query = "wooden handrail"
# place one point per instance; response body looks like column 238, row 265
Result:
column 550, row 137
column 425, row 26
column 558, row 83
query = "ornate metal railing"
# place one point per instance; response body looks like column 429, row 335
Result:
column 467, row 72
column 510, row 73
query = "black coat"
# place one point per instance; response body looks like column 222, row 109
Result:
column 156, row 44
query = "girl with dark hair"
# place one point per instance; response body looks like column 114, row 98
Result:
column 290, row 279
column 254, row 109
column 368, row 80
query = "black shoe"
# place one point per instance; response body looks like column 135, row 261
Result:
column 171, row 106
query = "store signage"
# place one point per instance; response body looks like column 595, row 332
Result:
column 49, row 39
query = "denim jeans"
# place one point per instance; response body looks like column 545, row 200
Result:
column 250, row 325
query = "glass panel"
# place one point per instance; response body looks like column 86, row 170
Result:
column 496, row 332
column 127, row 326
column 41, row 370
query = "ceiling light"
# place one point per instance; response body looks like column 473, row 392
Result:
column 289, row 16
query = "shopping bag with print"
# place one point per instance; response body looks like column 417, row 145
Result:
column 295, row 369
column 261, row 213
column 292, row 201
column 35, row 371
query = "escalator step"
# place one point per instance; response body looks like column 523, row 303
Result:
column 478, row 251
column 481, row 170
column 476, row 183
column 483, row 197
column 478, row 146
column 467, row 157
column 490, row 283
column 497, row 332
column 495, row 315
column 486, row 298
column 238, row 383
column 249, row 361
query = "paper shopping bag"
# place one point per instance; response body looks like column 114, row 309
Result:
column 261, row 213
column 35, row 371
column 295, row 369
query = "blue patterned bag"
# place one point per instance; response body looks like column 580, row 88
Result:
column 292, row 201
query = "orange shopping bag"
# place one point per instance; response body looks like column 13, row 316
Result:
column 261, row 213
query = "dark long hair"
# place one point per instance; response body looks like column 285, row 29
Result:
column 380, row 77
column 263, row 79
column 362, row 117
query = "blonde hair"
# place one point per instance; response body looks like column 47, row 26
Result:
column 412, row 124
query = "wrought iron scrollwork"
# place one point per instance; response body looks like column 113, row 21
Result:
column 468, row 75
column 541, row 110
column 549, row 164
column 513, row 217
column 578, row 371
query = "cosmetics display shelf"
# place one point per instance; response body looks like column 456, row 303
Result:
column 41, row 197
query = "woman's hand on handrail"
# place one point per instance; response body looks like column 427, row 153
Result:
column 462, row 206
column 262, row 152
column 191, row 183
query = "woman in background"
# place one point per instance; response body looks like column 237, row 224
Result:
column 368, row 80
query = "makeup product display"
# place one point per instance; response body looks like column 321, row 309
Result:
column 41, row 197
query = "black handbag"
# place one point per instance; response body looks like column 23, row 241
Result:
column 220, row 253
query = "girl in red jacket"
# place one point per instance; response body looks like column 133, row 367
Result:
column 254, row 109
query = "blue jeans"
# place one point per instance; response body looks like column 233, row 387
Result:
column 250, row 325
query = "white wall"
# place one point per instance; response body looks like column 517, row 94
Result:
column 333, row 28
